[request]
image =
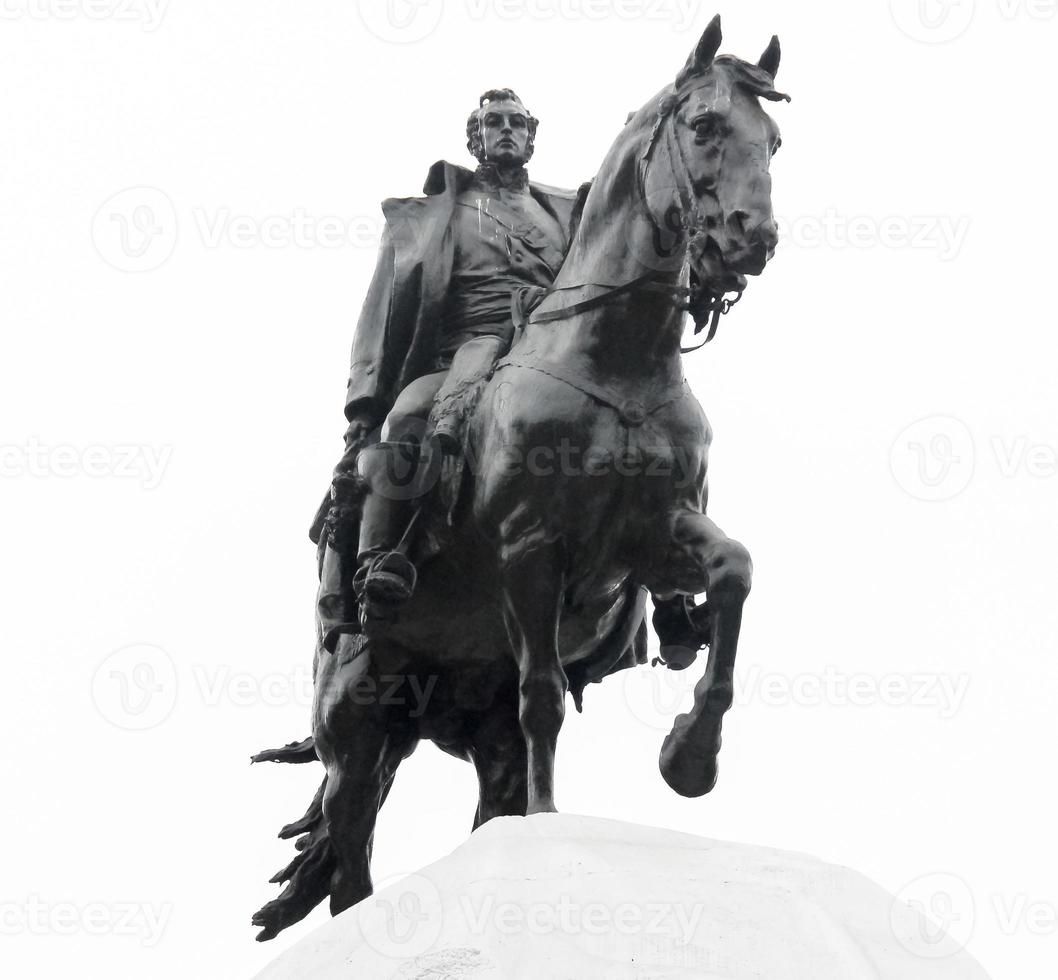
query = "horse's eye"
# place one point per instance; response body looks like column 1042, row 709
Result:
column 704, row 128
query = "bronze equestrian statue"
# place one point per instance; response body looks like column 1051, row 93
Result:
column 518, row 505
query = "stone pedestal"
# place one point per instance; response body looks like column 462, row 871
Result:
column 577, row 898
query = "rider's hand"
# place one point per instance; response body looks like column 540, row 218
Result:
column 359, row 428
column 361, row 424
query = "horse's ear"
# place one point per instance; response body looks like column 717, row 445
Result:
column 769, row 61
column 702, row 56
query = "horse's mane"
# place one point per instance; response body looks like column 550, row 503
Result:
column 751, row 78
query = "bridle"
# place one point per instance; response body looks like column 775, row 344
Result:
column 706, row 304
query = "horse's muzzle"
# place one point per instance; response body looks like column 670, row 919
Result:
column 750, row 243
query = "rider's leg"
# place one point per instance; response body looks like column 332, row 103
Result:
column 390, row 470
column 470, row 364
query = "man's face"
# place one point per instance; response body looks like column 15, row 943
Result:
column 505, row 133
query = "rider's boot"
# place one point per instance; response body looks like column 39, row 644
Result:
column 385, row 578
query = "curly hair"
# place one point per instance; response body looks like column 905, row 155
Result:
column 474, row 143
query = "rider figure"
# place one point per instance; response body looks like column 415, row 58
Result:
column 437, row 316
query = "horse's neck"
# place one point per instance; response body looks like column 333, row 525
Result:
column 636, row 334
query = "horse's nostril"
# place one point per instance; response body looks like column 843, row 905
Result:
column 737, row 222
column 766, row 234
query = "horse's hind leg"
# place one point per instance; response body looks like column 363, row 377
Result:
column 498, row 751
column 532, row 594
column 361, row 750
column 356, row 789
column 704, row 559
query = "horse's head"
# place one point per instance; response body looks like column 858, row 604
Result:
column 704, row 166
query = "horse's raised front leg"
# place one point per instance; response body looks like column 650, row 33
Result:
column 704, row 559
column 361, row 749
column 532, row 594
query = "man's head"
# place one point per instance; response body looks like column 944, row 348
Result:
column 500, row 130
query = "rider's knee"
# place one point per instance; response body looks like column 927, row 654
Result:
column 403, row 427
column 481, row 350
column 406, row 421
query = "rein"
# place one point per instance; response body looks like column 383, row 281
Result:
column 697, row 300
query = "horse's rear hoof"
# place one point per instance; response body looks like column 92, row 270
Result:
column 544, row 807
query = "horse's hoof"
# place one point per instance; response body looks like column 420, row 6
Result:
column 688, row 773
column 545, row 807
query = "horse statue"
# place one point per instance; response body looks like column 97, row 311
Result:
column 587, row 490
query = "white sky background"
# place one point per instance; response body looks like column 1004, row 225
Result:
column 224, row 368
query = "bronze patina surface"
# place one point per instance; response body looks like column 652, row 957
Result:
column 525, row 462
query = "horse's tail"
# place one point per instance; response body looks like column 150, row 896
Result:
column 308, row 876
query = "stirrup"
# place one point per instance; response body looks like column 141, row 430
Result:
column 387, row 579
